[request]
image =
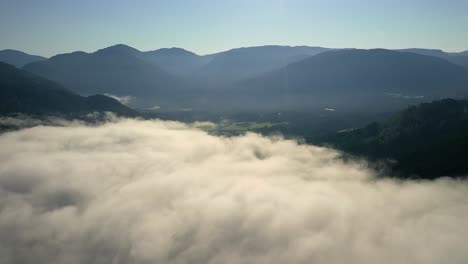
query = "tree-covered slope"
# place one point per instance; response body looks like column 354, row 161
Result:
column 429, row 140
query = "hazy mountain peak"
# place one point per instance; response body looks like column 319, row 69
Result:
column 242, row 63
column 69, row 55
column 118, row 49
column 171, row 52
column 428, row 52
column 18, row 58
column 272, row 48
column 12, row 51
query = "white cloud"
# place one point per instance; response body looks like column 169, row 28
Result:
column 133, row 191
column 126, row 100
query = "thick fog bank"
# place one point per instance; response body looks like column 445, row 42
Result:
column 131, row 191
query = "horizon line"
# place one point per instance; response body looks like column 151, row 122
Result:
column 234, row 48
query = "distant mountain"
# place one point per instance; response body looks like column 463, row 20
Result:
column 429, row 140
column 460, row 58
column 238, row 64
column 428, row 52
column 118, row 50
column 351, row 76
column 116, row 70
column 23, row 92
column 18, row 58
column 175, row 60
column 265, row 76
column 164, row 77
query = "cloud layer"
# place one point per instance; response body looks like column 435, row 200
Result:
column 132, row 191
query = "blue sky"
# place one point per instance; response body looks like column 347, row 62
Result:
column 48, row 27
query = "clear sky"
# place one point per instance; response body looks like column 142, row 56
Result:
column 48, row 27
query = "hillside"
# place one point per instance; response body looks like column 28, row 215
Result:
column 459, row 58
column 342, row 77
column 18, row 58
column 23, row 92
column 175, row 60
column 241, row 63
column 116, row 70
column 430, row 139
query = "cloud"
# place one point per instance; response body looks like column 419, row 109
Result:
column 132, row 191
column 126, row 100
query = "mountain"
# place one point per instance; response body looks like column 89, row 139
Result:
column 428, row 52
column 23, row 92
column 116, row 70
column 237, row 64
column 434, row 52
column 429, row 139
column 18, row 58
column 460, row 58
column 118, row 50
column 337, row 78
column 260, row 77
column 173, row 78
column 175, row 60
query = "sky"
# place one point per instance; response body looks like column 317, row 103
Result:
column 50, row 27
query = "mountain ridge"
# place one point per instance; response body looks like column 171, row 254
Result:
column 18, row 58
column 116, row 70
column 337, row 76
column 23, row 92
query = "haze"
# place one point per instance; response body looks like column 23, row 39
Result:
column 51, row 27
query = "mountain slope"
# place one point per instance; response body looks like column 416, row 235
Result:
column 428, row 52
column 23, row 92
column 116, row 70
column 429, row 140
column 175, row 60
column 237, row 64
column 18, row 58
column 459, row 58
column 338, row 77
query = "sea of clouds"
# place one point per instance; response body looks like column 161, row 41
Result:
column 133, row 191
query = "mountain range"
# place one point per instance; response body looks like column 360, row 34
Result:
column 275, row 77
column 116, row 70
column 351, row 77
column 242, row 63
